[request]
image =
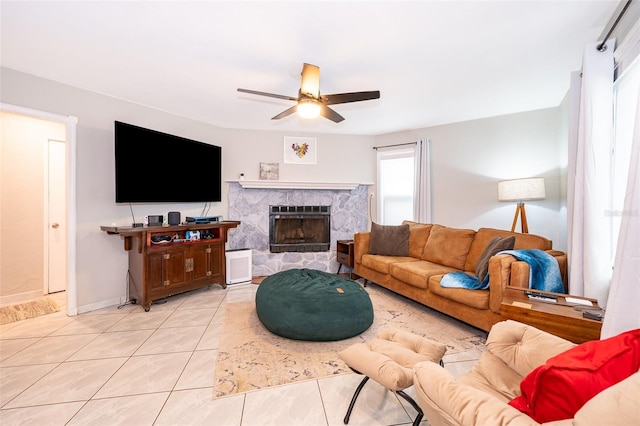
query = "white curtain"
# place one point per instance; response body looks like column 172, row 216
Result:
column 624, row 296
column 422, row 186
column 588, row 192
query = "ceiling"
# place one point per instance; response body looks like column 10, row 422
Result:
column 434, row 62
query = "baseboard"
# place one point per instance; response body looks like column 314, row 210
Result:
column 98, row 305
column 20, row 297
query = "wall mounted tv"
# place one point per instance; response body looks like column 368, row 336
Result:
column 155, row 167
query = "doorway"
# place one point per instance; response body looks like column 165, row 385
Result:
column 57, row 245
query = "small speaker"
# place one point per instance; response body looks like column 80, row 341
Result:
column 155, row 220
column 174, row 218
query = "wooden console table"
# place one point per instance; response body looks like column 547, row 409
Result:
column 560, row 318
column 159, row 269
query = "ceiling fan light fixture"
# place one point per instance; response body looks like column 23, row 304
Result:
column 308, row 108
column 309, row 103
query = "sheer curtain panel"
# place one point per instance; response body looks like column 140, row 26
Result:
column 589, row 249
column 624, row 296
column 422, row 188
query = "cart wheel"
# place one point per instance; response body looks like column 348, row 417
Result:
column 147, row 308
column 133, row 301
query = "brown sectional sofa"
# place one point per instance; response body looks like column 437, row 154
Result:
column 435, row 250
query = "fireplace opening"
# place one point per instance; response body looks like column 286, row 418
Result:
column 299, row 228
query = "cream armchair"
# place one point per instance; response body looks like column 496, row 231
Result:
column 481, row 396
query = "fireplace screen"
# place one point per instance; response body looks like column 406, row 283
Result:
column 299, row 228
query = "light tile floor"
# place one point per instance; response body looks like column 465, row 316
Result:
column 130, row 367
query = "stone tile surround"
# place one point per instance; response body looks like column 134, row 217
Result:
column 251, row 207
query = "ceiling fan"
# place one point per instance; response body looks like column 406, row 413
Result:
column 309, row 103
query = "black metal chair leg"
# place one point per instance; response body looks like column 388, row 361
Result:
column 353, row 400
column 410, row 400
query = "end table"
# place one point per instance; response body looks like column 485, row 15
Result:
column 562, row 318
column 344, row 255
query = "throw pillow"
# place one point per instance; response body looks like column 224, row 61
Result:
column 388, row 240
column 559, row 388
column 495, row 246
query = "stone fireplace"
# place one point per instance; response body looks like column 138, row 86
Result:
column 299, row 228
column 348, row 215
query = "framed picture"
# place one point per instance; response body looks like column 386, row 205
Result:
column 269, row 171
column 300, row 150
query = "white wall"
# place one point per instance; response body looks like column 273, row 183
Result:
column 341, row 158
column 469, row 158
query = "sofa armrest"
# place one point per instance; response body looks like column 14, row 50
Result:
column 360, row 245
column 447, row 402
column 505, row 270
column 500, row 278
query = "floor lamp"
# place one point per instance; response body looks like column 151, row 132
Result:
column 521, row 190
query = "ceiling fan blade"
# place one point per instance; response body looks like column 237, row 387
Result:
column 343, row 98
column 271, row 95
column 327, row 112
column 285, row 112
column 310, row 81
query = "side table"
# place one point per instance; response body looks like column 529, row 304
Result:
column 344, row 255
column 563, row 318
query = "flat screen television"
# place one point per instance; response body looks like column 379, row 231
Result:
column 156, row 167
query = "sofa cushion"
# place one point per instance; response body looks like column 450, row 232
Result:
column 388, row 240
column 448, row 246
column 484, row 235
column 478, row 299
column 491, row 375
column 559, row 388
column 382, row 263
column 417, row 273
column 495, row 246
column 621, row 399
column 418, row 236
column 523, row 347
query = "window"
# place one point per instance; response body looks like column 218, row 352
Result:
column 395, row 185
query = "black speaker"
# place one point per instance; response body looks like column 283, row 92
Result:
column 174, row 218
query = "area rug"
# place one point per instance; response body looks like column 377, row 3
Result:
column 250, row 357
column 27, row 310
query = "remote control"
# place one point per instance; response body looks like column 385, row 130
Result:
column 542, row 298
column 594, row 315
column 538, row 295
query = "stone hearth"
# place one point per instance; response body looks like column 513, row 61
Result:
column 251, row 207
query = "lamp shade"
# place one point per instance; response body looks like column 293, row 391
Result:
column 521, row 189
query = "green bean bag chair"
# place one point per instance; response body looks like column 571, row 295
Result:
column 305, row 304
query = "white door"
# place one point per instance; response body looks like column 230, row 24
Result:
column 57, row 218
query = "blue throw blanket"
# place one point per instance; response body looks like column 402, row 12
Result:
column 544, row 273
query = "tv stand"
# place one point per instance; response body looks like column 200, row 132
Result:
column 159, row 268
